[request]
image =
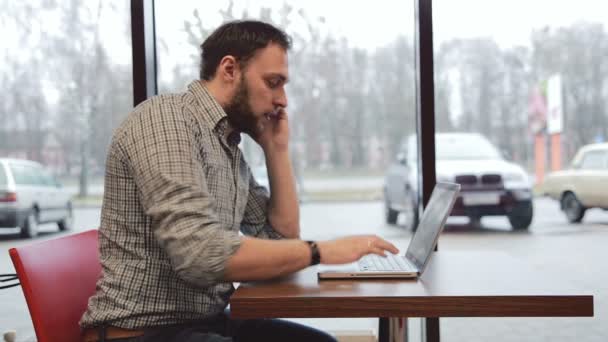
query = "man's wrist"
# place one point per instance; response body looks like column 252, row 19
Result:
column 276, row 156
column 315, row 255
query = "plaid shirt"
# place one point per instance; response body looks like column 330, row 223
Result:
column 177, row 192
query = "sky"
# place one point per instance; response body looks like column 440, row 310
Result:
column 365, row 24
column 511, row 22
column 373, row 24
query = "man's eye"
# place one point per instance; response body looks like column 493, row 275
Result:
column 273, row 83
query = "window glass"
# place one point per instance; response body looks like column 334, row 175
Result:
column 520, row 87
column 351, row 102
column 3, row 178
column 66, row 84
column 594, row 160
column 24, row 175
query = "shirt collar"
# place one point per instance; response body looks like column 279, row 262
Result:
column 214, row 114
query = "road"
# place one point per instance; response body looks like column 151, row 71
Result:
column 574, row 253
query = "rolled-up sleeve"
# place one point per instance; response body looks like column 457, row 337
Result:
column 255, row 220
column 173, row 192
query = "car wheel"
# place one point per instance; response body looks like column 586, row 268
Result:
column 411, row 216
column 475, row 221
column 390, row 215
column 573, row 208
column 30, row 225
column 67, row 222
column 521, row 216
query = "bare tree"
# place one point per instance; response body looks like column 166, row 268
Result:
column 578, row 53
column 25, row 111
column 492, row 84
column 393, row 92
column 340, row 96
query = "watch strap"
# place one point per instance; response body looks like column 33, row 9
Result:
column 315, row 255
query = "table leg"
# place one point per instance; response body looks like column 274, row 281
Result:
column 432, row 329
column 392, row 329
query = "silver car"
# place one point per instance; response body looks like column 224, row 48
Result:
column 490, row 184
column 29, row 195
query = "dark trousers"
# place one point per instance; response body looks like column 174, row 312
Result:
column 224, row 329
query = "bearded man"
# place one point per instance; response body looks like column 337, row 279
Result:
column 178, row 192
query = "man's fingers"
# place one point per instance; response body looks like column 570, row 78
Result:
column 385, row 245
column 378, row 251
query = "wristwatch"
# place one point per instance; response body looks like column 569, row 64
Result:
column 315, row 256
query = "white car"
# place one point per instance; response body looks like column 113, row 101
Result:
column 29, row 195
column 583, row 185
column 490, row 185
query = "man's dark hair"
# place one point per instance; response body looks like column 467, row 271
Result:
column 240, row 39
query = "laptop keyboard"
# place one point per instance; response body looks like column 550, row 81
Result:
column 373, row 262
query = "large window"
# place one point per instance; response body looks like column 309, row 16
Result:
column 352, row 105
column 520, row 87
column 530, row 80
column 65, row 79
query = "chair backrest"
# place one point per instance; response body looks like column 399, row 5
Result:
column 57, row 277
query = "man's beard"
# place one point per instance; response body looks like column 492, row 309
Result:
column 240, row 114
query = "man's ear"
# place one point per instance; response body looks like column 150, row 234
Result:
column 229, row 69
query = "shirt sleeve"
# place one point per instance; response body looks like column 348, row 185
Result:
column 255, row 220
column 169, row 175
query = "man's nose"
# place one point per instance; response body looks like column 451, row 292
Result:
column 281, row 99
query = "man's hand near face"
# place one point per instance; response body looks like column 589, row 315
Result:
column 273, row 131
column 273, row 137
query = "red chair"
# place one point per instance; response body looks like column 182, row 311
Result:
column 57, row 277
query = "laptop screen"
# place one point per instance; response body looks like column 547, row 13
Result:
column 431, row 224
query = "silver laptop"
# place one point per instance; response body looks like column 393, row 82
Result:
column 420, row 249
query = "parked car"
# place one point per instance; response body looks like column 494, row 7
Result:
column 29, row 195
column 490, row 185
column 583, row 185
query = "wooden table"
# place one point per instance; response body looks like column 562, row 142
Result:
column 455, row 284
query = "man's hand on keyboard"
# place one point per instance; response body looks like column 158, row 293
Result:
column 352, row 248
